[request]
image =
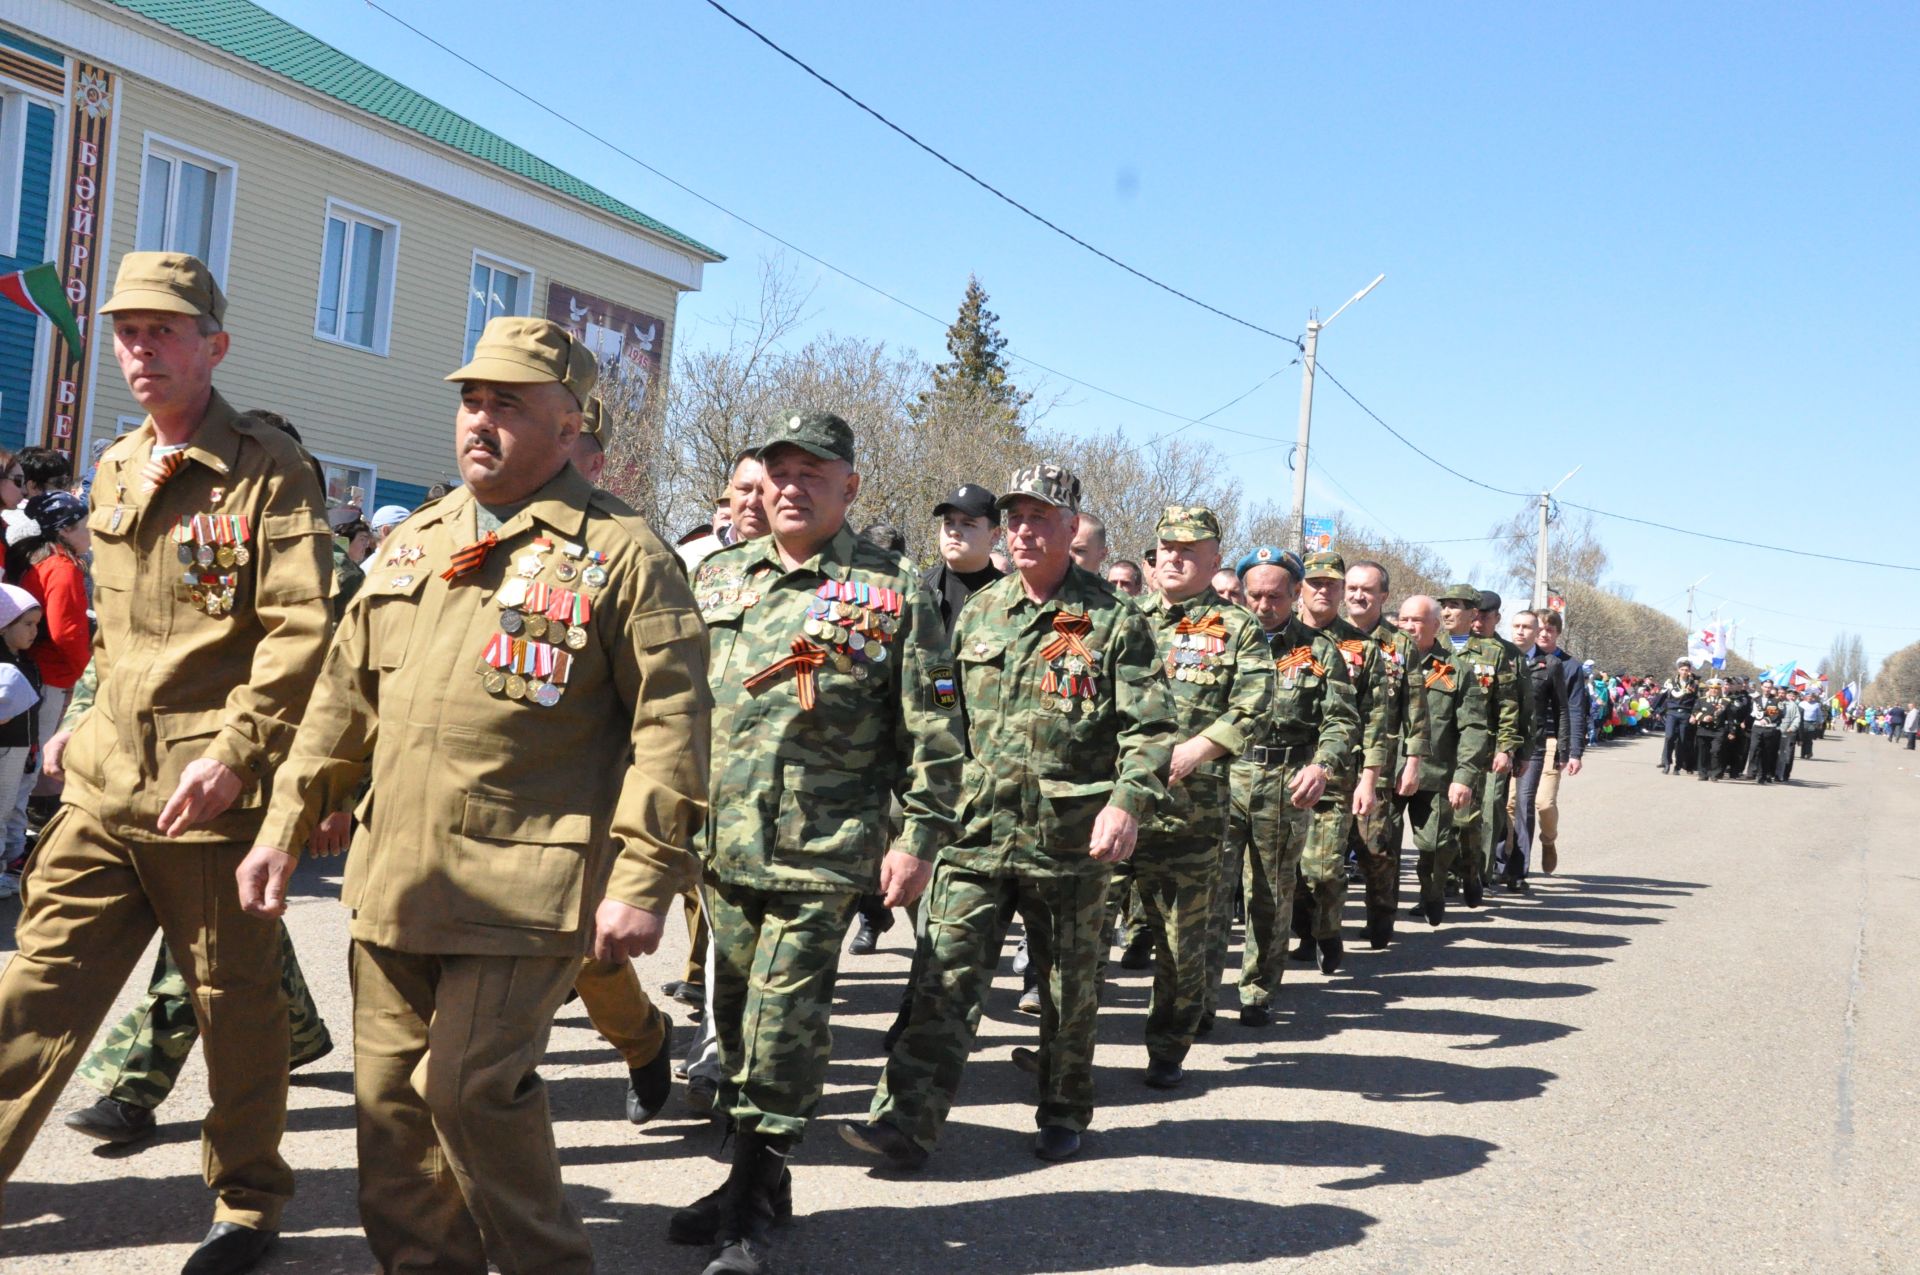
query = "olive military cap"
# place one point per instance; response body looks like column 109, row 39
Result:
column 820, row 433
column 1462, row 593
column 591, row 418
column 1325, row 565
column 169, row 281
column 1187, row 524
column 1269, row 556
column 513, row 350
column 1045, row 481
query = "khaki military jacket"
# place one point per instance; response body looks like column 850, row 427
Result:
column 1056, row 730
column 802, row 790
column 213, row 660
column 535, row 730
column 1367, row 671
column 1396, row 647
column 1513, row 693
column 1313, row 710
column 1220, row 675
column 1461, row 713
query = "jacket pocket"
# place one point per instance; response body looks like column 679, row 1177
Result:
column 182, row 739
column 822, row 814
column 1067, row 812
column 520, row 863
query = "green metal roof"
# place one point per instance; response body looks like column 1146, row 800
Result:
column 247, row 31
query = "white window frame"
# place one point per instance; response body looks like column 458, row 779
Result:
column 341, row 462
column 225, row 181
column 494, row 261
column 13, row 165
column 383, row 326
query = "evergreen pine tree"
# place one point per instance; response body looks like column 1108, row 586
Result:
column 973, row 383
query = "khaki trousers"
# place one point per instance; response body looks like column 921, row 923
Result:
column 620, row 1011
column 90, row 904
column 457, row 1159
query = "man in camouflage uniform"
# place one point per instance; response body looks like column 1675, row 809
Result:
column 1279, row 778
column 1513, row 696
column 1457, row 678
column 1377, row 822
column 1069, row 729
column 1321, row 893
column 1222, row 682
column 833, row 691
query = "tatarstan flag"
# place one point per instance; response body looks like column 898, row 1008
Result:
column 38, row 291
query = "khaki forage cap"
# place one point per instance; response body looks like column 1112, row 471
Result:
column 514, row 350
column 169, row 281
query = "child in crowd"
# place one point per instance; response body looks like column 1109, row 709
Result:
column 19, row 717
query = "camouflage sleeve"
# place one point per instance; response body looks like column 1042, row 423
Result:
column 1251, row 696
column 81, row 698
column 1339, row 715
column 927, row 732
column 1376, row 735
column 1145, row 708
column 1416, row 728
column 1509, row 729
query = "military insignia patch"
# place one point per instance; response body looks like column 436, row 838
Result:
column 943, row 690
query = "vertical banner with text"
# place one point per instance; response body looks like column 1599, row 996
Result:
column 80, row 244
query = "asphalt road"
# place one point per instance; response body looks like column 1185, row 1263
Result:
column 1693, row 1050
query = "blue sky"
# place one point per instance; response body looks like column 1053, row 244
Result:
column 1675, row 244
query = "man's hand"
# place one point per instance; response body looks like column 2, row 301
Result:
column 1364, row 799
column 1502, row 763
column 263, row 877
column 51, row 755
column 1459, row 796
column 1189, row 755
column 1114, row 834
column 206, row 789
column 1309, row 782
column 1572, row 767
column 902, row 878
column 331, row 835
column 1409, row 778
column 622, row 931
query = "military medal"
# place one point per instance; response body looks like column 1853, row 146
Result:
column 512, row 622
column 512, row 593
column 494, row 680
column 576, row 638
column 546, row 695
column 536, row 624
column 1062, row 654
column 565, row 571
column 516, row 687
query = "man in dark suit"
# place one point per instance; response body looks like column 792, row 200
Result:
column 1554, row 738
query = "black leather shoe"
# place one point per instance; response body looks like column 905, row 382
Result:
column 1027, row 1060
column 1380, row 934
column 686, row 993
column 1205, row 1026
column 1332, row 952
column 699, row 1222
column 1164, row 1073
column 649, row 1086
column 110, row 1120
column 1255, row 1015
column 865, row 939
column 1139, row 953
column 1472, row 893
column 229, row 1249
column 1056, row 1143
column 1303, row 950
column 1436, row 911
column 879, row 1138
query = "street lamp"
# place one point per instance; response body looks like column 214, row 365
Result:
column 1306, row 416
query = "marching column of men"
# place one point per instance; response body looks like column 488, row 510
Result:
column 803, row 724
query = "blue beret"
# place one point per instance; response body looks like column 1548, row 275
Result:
column 1270, row 556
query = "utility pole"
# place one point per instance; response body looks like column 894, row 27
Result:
column 1540, row 545
column 1308, row 351
column 1690, row 588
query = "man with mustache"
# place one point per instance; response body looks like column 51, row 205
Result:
column 505, row 633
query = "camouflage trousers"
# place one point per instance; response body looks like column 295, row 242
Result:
column 1321, row 893
column 140, row 1060
column 1375, row 842
column 1177, row 878
column 776, row 956
column 1434, row 838
column 966, row 914
column 1266, row 832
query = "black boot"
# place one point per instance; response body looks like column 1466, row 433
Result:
column 1331, row 954
column 747, row 1209
column 876, row 918
column 1305, row 949
column 1139, row 953
column 699, row 1222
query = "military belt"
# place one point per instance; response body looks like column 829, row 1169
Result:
column 1277, row 754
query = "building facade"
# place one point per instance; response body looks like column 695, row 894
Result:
column 363, row 233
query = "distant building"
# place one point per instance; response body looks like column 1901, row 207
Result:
column 363, row 233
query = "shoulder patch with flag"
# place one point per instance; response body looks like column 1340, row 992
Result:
column 942, row 689
column 39, row 291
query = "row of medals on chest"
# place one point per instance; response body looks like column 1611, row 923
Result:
column 1192, row 658
column 854, row 621
column 209, row 546
column 541, row 623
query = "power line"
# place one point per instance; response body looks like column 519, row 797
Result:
column 1320, row 369
column 991, row 189
column 1811, row 619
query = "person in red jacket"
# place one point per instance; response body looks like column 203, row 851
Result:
column 47, row 542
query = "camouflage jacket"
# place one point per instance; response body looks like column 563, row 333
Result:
column 1411, row 739
column 1313, row 704
column 1514, row 695
column 1042, row 763
column 801, row 791
column 1461, row 712
column 1372, row 696
column 1220, row 673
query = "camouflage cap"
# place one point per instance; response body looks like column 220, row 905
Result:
column 1325, row 565
column 1462, row 593
column 169, row 281
column 514, row 350
column 1046, row 481
column 1186, row 524
column 820, row 434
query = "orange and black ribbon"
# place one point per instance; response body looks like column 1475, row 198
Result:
column 1355, row 649
column 468, row 558
column 158, row 469
column 1301, row 657
column 805, row 659
column 1211, row 626
column 1069, row 629
column 1440, row 674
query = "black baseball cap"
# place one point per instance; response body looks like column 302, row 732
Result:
column 1489, row 600
column 971, row 500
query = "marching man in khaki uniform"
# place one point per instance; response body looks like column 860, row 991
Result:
column 524, row 676
column 211, row 567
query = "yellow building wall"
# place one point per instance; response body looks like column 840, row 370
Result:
column 393, row 411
